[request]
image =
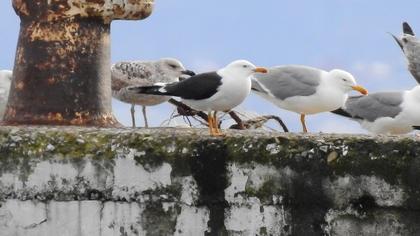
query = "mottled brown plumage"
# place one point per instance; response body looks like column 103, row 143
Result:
column 143, row 73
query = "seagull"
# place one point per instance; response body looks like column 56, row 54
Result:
column 385, row 112
column 142, row 73
column 305, row 90
column 220, row 90
column 5, row 81
column 410, row 46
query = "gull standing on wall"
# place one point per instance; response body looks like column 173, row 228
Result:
column 305, row 90
column 220, row 90
column 5, row 81
column 144, row 73
column 410, row 46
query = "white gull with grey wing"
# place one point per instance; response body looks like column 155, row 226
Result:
column 385, row 112
column 305, row 90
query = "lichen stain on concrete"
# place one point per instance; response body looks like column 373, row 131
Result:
column 265, row 182
column 345, row 189
column 53, row 218
column 127, row 186
column 192, row 221
column 375, row 222
column 254, row 218
column 247, row 214
column 190, row 193
column 119, row 216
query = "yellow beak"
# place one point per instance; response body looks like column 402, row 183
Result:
column 261, row 70
column 360, row 89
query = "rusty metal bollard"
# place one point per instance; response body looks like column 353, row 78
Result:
column 62, row 65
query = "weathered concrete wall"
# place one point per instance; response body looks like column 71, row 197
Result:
column 70, row 181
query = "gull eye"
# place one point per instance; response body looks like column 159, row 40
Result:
column 345, row 80
column 173, row 66
column 405, row 40
column 245, row 66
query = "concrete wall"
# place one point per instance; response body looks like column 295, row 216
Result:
column 71, row 181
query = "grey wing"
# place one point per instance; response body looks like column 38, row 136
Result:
column 374, row 106
column 288, row 81
column 414, row 68
column 411, row 48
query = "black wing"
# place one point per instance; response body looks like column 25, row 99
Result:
column 197, row 87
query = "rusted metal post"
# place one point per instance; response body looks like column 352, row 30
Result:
column 62, row 65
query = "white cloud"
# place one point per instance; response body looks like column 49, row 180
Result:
column 373, row 70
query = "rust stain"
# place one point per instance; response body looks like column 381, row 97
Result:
column 118, row 10
column 19, row 56
column 55, row 117
column 55, row 32
column 100, row 2
column 20, row 85
column 11, row 112
column 133, row 2
column 21, row 7
column 51, row 80
column 53, row 10
column 79, row 118
column 104, row 120
column 44, row 66
column 91, row 11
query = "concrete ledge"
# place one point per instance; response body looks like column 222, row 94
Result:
column 78, row 181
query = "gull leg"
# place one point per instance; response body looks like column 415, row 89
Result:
column 216, row 125
column 133, row 119
column 146, row 124
column 210, row 121
column 302, row 120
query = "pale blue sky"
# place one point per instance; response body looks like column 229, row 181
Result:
column 206, row 35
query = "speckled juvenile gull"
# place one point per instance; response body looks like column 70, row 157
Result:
column 410, row 45
column 385, row 112
column 305, row 90
column 5, row 81
column 142, row 73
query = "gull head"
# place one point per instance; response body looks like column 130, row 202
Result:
column 173, row 68
column 345, row 81
column 243, row 69
column 408, row 42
